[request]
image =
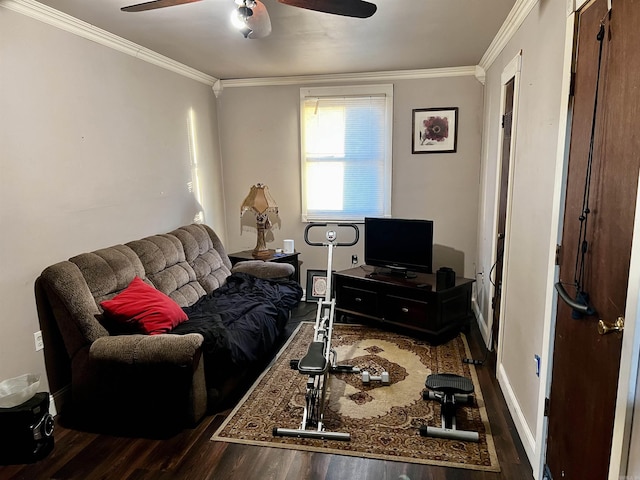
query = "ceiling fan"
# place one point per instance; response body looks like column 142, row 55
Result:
column 252, row 18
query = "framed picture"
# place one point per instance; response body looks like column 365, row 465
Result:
column 316, row 285
column 435, row 130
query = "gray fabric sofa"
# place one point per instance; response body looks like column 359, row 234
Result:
column 135, row 378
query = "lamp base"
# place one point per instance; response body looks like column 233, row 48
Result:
column 262, row 254
column 261, row 251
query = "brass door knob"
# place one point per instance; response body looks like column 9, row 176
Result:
column 604, row 328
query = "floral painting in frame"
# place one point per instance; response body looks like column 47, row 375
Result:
column 435, row 130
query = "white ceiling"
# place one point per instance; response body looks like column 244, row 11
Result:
column 402, row 35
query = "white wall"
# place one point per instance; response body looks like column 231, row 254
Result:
column 541, row 39
column 94, row 150
column 259, row 132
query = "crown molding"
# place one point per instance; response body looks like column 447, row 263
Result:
column 85, row 30
column 512, row 23
column 480, row 74
column 346, row 77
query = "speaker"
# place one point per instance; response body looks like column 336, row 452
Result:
column 445, row 278
column 26, row 431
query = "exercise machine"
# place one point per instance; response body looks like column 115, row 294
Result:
column 320, row 359
column 450, row 390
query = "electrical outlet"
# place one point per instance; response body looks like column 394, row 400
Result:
column 354, row 259
column 37, row 336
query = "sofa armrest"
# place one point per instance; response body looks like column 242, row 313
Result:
column 262, row 269
column 148, row 349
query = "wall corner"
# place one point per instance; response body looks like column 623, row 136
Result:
column 480, row 74
column 217, row 88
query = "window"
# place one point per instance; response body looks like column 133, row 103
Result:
column 346, row 152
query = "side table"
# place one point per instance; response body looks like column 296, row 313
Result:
column 290, row 258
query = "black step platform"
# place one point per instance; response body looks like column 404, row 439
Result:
column 450, row 391
column 449, row 383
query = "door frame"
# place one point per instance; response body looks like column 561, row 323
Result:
column 628, row 374
column 511, row 70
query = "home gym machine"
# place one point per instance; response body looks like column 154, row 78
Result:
column 450, row 390
column 320, row 359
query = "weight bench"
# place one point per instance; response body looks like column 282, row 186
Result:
column 450, row 390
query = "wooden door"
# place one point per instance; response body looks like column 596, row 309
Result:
column 507, row 126
column 585, row 363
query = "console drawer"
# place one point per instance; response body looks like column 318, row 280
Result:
column 406, row 311
column 357, row 300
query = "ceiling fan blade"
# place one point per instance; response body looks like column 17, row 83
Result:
column 347, row 8
column 259, row 22
column 141, row 7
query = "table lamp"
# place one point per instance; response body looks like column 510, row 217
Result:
column 261, row 203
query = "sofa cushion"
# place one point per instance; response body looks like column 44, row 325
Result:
column 109, row 270
column 139, row 303
column 185, row 264
column 206, row 255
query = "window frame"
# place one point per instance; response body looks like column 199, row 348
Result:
column 385, row 90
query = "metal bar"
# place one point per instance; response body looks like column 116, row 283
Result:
column 296, row 433
column 452, row 434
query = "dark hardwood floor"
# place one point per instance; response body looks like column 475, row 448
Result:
column 191, row 455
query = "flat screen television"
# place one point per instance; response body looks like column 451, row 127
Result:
column 401, row 245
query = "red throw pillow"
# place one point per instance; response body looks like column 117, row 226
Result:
column 152, row 310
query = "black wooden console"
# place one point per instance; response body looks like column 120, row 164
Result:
column 410, row 303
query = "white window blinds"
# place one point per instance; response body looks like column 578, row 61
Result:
column 346, row 152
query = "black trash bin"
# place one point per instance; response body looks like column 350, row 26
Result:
column 26, row 431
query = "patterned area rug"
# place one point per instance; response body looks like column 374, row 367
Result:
column 383, row 420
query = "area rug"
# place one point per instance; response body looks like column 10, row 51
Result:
column 383, row 420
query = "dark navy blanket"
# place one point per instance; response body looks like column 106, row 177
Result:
column 240, row 322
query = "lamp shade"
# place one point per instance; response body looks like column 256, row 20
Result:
column 259, row 200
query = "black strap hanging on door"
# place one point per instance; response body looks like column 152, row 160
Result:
column 580, row 304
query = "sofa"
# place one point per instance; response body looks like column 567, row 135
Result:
column 123, row 371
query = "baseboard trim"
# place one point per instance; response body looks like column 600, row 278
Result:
column 524, row 432
column 52, row 406
column 59, row 399
column 485, row 331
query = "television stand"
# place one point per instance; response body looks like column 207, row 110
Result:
column 413, row 304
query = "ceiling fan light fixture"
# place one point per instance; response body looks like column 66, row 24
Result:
column 239, row 18
column 244, row 12
column 251, row 19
